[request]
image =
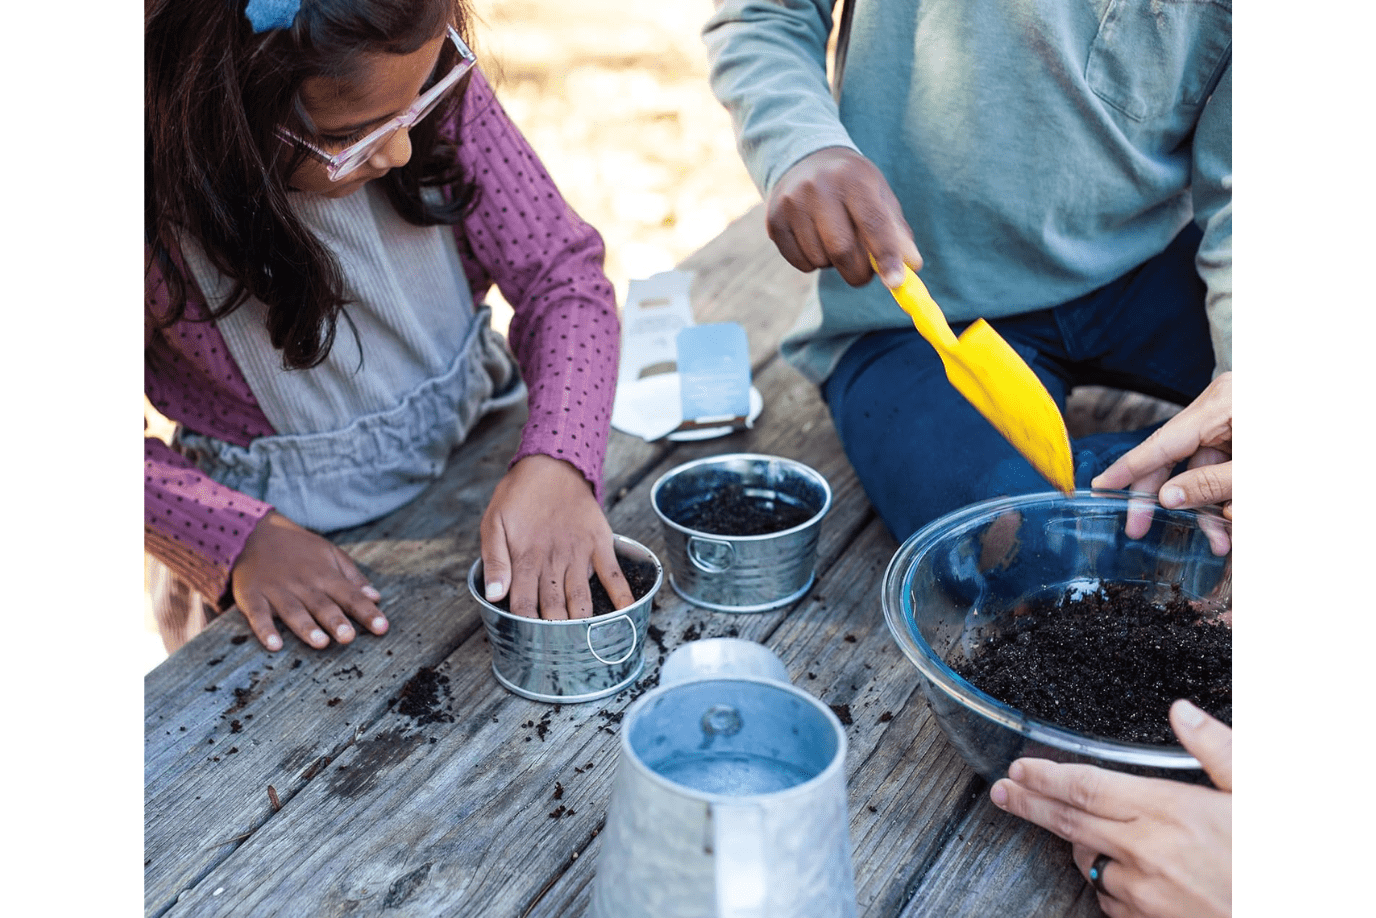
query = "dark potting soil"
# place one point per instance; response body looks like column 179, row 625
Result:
column 733, row 511
column 640, row 577
column 1108, row 663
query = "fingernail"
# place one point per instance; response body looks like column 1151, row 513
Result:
column 344, row 632
column 274, row 642
column 893, row 278
column 317, row 636
column 999, row 794
column 494, row 591
column 1188, row 715
column 371, row 592
column 1015, row 769
column 379, row 624
column 1172, row 496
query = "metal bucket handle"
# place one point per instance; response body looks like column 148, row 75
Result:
column 711, row 555
column 611, row 621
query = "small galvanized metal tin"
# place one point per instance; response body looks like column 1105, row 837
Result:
column 569, row 661
column 752, row 573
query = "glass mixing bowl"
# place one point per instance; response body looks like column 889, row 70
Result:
column 959, row 578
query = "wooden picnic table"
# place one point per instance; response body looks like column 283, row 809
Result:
column 295, row 784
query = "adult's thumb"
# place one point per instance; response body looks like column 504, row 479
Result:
column 1207, row 739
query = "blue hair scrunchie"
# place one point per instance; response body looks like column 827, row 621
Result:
column 271, row 14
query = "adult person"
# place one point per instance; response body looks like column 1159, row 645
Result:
column 1062, row 170
column 1152, row 848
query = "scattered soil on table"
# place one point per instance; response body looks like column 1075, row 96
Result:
column 734, row 511
column 640, row 577
column 1108, row 663
column 425, row 697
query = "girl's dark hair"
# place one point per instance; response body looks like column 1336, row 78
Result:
column 214, row 170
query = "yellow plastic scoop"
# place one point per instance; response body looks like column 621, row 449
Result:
column 989, row 373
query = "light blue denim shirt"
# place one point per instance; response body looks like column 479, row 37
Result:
column 1039, row 148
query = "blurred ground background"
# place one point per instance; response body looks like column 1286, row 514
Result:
column 613, row 96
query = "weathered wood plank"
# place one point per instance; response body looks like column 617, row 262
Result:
column 487, row 764
column 282, row 713
column 998, row 864
column 384, row 812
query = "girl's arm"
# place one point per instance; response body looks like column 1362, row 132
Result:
column 544, row 531
column 231, row 548
column 547, row 263
column 192, row 524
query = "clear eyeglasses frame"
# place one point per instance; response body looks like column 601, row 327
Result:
column 341, row 165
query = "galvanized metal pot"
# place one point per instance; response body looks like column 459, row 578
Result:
column 729, row 801
column 575, row 660
column 741, row 573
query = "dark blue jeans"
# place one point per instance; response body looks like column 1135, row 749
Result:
column 921, row 451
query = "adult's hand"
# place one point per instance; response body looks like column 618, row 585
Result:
column 1171, row 843
column 543, row 536
column 306, row 581
column 1202, row 433
column 833, row 208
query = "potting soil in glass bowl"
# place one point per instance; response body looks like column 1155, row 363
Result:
column 1041, row 627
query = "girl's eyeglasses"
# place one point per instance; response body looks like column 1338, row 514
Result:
column 341, row 165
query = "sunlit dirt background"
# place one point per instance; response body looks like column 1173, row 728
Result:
column 613, row 96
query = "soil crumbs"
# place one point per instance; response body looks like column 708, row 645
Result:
column 734, row 510
column 640, row 577
column 1108, row 663
column 425, row 697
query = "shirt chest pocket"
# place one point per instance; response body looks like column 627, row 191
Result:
column 1154, row 58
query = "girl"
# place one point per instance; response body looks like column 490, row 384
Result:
column 331, row 187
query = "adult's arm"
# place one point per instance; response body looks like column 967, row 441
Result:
column 768, row 66
column 827, row 206
column 1212, row 190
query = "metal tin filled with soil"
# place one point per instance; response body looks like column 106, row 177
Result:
column 741, row 529
column 579, row 659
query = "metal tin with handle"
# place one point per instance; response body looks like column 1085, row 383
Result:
column 729, row 798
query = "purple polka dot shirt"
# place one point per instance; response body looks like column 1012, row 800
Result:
column 565, row 334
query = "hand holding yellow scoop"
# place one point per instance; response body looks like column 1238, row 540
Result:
column 999, row 383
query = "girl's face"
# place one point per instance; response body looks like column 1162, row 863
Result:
column 344, row 111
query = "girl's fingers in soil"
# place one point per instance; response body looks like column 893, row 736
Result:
column 523, row 595
column 497, row 578
column 577, row 595
column 608, row 571
column 554, row 604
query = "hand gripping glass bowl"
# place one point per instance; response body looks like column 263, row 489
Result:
column 961, row 576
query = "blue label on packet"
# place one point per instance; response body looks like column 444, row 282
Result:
column 714, row 371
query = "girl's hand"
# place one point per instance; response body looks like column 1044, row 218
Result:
column 543, row 536
column 304, row 580
column 1171, row 844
